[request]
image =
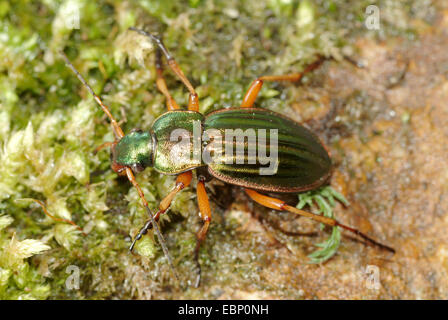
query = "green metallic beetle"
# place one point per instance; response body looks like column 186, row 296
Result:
column 179, row 141
column 303, row 162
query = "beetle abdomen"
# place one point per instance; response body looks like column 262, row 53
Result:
column 300, row 162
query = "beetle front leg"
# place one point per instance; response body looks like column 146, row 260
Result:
column 255, row 87
column 193, row 101
column 183, row 180
column 206, row 216
column 161, row 84
column 278, row 204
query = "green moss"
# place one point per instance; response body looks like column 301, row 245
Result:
column 324, row 199
column 50, row 127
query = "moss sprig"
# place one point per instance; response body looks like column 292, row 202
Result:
column 323, row 200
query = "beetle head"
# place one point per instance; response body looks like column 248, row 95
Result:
column 134, row 150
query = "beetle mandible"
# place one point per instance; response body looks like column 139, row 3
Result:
column 303, row 162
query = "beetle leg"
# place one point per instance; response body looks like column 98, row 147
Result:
column 255, row 87
column 206, row 216
column 193, row 98
column 278, row 204
column 132, row 179
column 193, row 102
column 183, row 180
column 161, row 84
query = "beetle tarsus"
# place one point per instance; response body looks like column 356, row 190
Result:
column 367, row 238
column 141, row 233
column 131, row 248
column 198, row 268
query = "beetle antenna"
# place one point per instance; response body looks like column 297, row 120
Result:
column 44, row 208
column 117, row 130
column 162, row 241
column 107, row 144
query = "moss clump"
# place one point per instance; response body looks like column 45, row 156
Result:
column 50, row 127
column 18, row 280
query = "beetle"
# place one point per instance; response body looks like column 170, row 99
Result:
column 303, row 162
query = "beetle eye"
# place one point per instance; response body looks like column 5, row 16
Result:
column 137, row 167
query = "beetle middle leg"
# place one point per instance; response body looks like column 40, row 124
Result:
column 278, row 204
column 255, row 87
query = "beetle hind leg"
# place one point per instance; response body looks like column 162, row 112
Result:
column 278, row 204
